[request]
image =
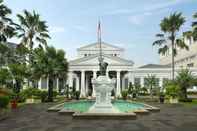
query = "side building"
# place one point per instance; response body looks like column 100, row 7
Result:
column 184, row 58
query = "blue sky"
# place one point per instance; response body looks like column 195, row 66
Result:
column 126, row 23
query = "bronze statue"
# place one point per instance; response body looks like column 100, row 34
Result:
column 102, row 66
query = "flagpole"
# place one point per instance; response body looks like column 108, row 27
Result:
column 99, row 40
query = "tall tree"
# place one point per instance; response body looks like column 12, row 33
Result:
column 51, row 64
column 7, row 27
column 194, row 25
column 32, row 29
column 170, row 26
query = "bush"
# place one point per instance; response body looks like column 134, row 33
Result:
column 5, row 92
column 43, row 96
column 185, row 100
column 55, row 93
column 172, row 90
column 31, row 92
column 4, row 101
column 124, row 94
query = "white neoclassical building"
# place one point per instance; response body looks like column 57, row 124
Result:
column 85, row 67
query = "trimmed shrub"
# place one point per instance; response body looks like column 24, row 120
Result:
column 55, row 93
column 4, row 101
column 43, row 96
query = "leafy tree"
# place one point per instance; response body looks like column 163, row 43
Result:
column 194, row 25
column 50, row 63
column 170, row 26
column 151, row 83
column 7, row 27
column 19, row 73
column 5, row 77
column 185, row 80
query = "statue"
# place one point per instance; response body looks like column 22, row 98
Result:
column 102, row 66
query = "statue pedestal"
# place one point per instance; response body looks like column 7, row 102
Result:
column 103, row 86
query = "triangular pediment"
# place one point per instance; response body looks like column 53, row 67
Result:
column 93, row 60
column 96, row 46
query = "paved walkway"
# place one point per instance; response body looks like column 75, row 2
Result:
column 35, row 118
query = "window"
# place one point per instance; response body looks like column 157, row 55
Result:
column 137, row 81
column 190, row 65
column 115, row 54
column 85, row 55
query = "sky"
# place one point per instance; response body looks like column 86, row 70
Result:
column 125, row 23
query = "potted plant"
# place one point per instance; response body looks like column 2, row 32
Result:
column 77, row 95
column 124, row 94
column 161, row 97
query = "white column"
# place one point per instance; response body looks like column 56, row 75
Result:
column 82, row 84
column 142, row 82
column 131, row 77
column 40, row 84
column 107, row 73
column 57, row 84
column 118, row 93
column 161, row 82
column 70, row 79
column 94, row 77
column 77, row 83
column 123, row 83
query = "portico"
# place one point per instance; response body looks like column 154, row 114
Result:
column 81, row 80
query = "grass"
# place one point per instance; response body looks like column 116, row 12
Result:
column 190, row 104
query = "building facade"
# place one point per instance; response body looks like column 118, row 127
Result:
column 86, row 67
column 184, row 58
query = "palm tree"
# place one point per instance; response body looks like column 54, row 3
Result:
column 51, row 64
column 7, row 27
column 170, row 26
column 151, row 82
column 32, row 29
column 188, row 35
column 194, row 25
column 185, row 80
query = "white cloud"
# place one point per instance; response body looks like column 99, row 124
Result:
column 80, row 28
column 56, row 29
column 154, row 6
column 138, row 19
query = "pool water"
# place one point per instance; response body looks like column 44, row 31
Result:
column 122, row 106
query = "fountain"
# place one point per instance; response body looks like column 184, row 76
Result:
column 103, row 86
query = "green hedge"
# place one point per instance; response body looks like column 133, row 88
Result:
column 4, row 101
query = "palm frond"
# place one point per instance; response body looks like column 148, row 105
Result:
column 159, row 42
column 163, row 50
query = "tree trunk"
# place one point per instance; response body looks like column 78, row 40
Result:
column 172, row 40
column 50, row 90
column 17, row 86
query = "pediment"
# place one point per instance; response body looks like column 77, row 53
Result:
column 96, row 46
column 93, row 60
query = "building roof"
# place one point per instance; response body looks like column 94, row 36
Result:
column 103, row 43
column 86, row 60
column 155, row 66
